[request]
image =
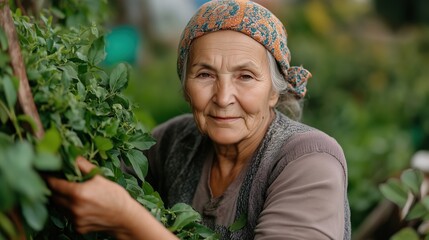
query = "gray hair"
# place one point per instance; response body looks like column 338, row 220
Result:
column 288, row 104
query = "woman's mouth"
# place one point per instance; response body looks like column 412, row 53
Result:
column 224, row 119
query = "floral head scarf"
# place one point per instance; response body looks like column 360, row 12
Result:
column 253, row 20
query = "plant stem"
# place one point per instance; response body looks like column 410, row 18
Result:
column 13, row 119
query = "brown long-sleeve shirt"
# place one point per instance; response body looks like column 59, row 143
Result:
column 305, row 201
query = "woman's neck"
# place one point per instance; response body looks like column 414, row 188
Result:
column 230, row 159
column 239, row 153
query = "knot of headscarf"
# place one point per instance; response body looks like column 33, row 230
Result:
column 255, row 21
column 297, row 80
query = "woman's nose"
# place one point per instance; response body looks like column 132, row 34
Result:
column 224, row 93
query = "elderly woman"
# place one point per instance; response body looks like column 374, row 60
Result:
column 237, row 155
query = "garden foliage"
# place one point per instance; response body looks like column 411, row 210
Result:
column 84, row 113
column 406, row 193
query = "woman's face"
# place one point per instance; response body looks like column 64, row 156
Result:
column 228, row 86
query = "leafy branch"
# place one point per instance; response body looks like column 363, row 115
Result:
column 409, row 193
column 86, row 114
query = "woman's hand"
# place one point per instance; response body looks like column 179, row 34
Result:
column 102, row 205
column 96, row 205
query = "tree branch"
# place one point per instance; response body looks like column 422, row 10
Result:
column 25, row 96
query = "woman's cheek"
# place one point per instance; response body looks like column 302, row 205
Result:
column 200, row 121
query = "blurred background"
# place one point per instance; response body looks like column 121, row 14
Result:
column 370, row 85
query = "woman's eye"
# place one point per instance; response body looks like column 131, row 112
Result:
column 203, row 75
column 246, row 77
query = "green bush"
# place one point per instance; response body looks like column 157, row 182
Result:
column 86, row 114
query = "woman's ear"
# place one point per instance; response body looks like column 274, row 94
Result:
column 274, row 98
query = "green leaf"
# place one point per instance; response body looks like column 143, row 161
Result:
column 81, row 91
column 7, row 226
column 107, row 172
column 133, row 189
column 7, row 196
column 21, row 155
column 92, row 173
column 121, row 101
column 69, row 73
column 149, row 201
column 112, row 128
column 407, row 233
column 394, row 191
column 185, row 215
column 417, row 211
column 425, row 202
column 426, row 217
column 29, row 120
column 4, row 60
column 181, row 208
column 96, row 52
column 20, row 175
column 147, row 188
column 102, row 143
column 4, row 116
column 75, row 118
column 205, row 232
column 118, row 78
column 10, row 91
column 50, row 44
column 3, row 41
column 142, row 141
column 239, row 223
column 33, row 74
column 5, row 139
column 138, row 162
column 81, row 56
column 57, row 221
column 73, row 138
column 57, row 13
column 114, row 157
column 102, row 109
column 51, row 141
column 28, row 184
column 94, row 30
column 35, row 214
column 47, row 162
column 412, row 179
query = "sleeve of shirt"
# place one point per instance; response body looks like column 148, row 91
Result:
column 306, row 201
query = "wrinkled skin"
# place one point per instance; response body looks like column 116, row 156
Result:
column 228, row 85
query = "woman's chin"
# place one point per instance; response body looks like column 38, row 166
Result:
column 225, row 136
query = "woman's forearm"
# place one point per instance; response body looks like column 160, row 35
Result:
column 140, row 224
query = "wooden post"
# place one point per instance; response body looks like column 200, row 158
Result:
column 25, row 97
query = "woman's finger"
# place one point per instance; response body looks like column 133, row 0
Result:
column 84, row 165
column 61, row 186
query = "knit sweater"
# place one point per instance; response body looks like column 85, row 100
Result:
column 177, row 162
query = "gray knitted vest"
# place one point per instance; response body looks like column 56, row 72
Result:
column 183, row 166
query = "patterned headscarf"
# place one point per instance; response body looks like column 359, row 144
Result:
column 253, row 20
